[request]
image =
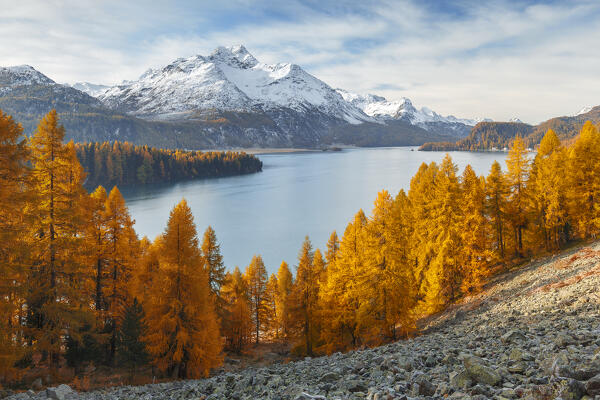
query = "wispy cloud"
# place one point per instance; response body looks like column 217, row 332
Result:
column 526, row 59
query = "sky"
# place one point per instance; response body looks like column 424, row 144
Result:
column 531, row 60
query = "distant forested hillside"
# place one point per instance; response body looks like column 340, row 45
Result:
column 489, row 135
column 122, row 164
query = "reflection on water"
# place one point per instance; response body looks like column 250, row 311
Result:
column 297, row 194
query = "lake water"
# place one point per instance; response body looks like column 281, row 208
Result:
column 297, row 194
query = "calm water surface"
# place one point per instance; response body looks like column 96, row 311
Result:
column 297, row 194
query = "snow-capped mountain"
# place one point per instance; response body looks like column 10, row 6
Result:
column 380, row 107
column 22, row 75
column 584, row 110
column 90, row 88
column 225, row 99
column 515, row 120
column 229, row 79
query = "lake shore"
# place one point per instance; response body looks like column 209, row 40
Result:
column 281, row 150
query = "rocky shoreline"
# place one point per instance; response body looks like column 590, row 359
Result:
column 533, row 333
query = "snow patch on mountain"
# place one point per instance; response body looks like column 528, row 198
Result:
column 92, row 89
column 230, row 79
column 584, row 110
column 22, row 75
column 380, row 107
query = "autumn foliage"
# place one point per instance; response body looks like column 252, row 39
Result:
column 78, row 286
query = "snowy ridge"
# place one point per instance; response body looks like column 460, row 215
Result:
column 229, row 79
column 584, row 110
column 23, row 75
column 89, row 88
column 380, row 107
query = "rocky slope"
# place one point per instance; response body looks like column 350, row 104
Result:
column 533, row 333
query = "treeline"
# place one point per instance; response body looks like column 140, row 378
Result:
column 485, row 136
column 77, row 285
column 123, row 164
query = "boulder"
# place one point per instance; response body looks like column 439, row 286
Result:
column 592, row 387
column 481, row 373
column 329, row 377
column 59, row 392
column 513, row 336
column 460, row 379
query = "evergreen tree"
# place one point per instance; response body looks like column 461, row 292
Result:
column 213, row 260
column 131, row 348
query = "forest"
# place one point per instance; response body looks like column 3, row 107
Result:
column 124, row 164
column 79, row 288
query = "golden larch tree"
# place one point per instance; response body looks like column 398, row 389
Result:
column 496, row 189
column 584, row 181
column 13, row 197
column 213, row 260
column 548, row 181
column 304, row 299
column 237, row 323
column 183, row 331
column 474, row 232
column 57, row 219
column 256, row 278
column 285, row 282
column 122, row 252
column 518, row 167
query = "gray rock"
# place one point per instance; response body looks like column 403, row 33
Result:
column 571, row 390
column 59, row 393
column 592, row 387
column 479, row 372
column 355, row 386
column 460, row 379
column 306, row 396
column 329, row 377
column 513, row 336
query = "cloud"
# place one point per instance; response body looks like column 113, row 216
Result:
column 526, row 59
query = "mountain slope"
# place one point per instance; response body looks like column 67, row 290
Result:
column 532, row 333
column 230, row 79
column 490, row 135
column 380, row 108
column 226, row 99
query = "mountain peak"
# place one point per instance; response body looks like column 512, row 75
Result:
column 22, row 75
column 585, row 110
column 237, row 56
